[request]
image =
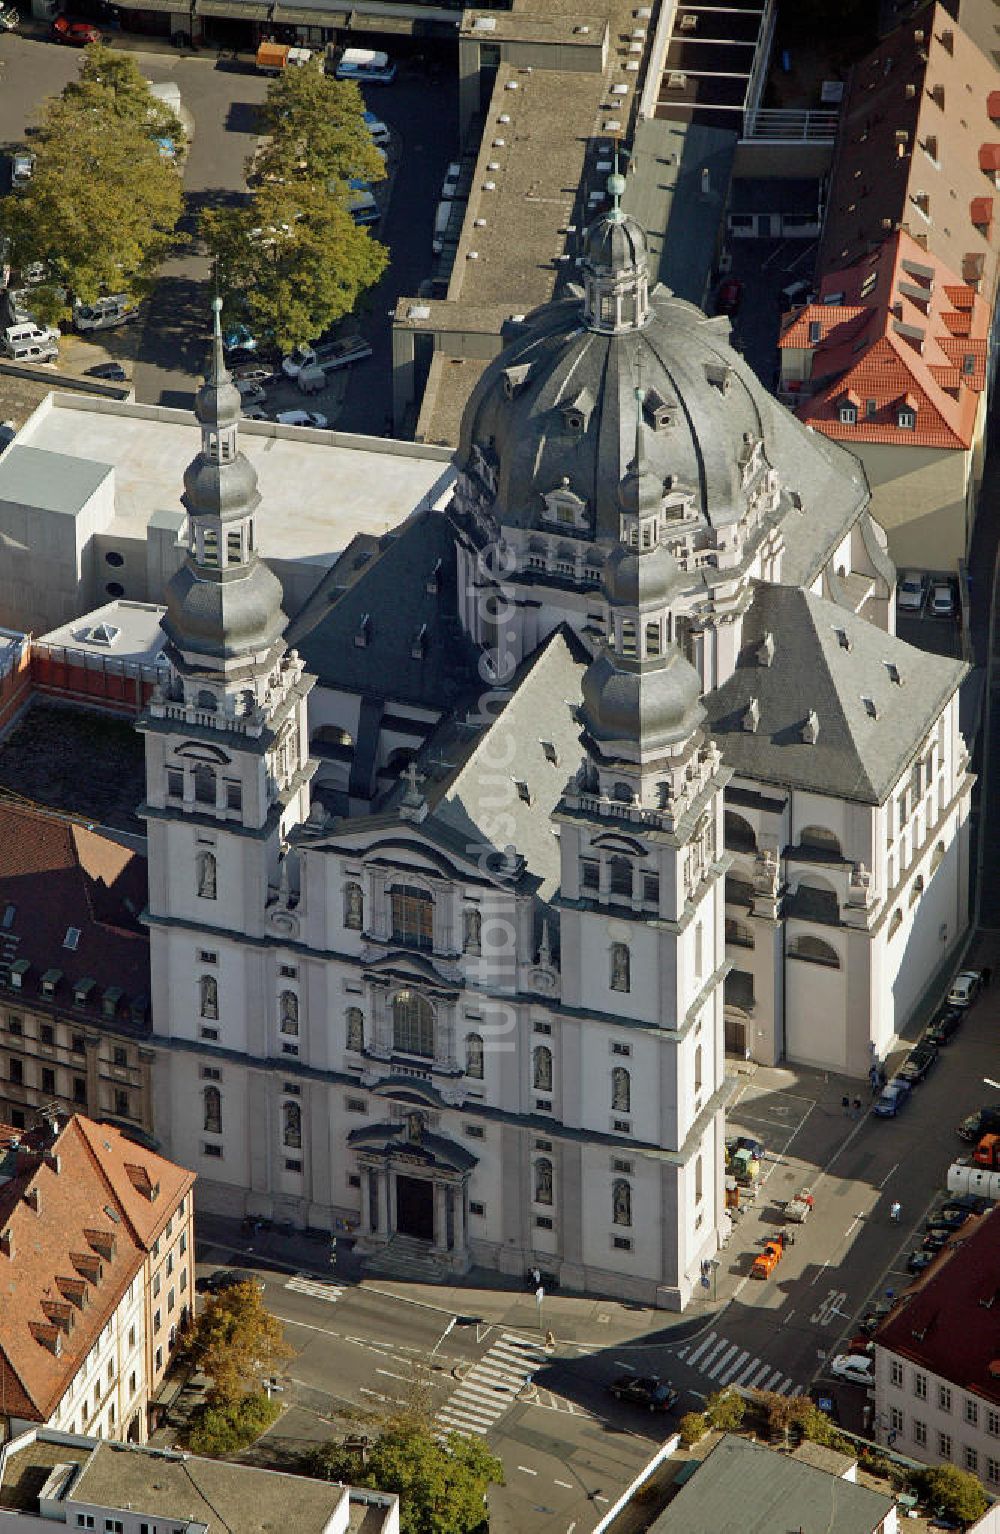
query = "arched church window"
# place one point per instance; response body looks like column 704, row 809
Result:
column 621, row 1090
column 355, row 1029
column 291, row 1128
column 474, row 1056
column 620, row 876
column 541, row 1068
column 205, row 881
column 208, row 988
column 621, row 979
column 813, row 949
column 413, row 1024
column 412, row 917
column 204, row 783
column 288, row 1012
column 212, row 1102
column 622, row 793
column 621, row 1202
column 472, row 929
column 354, row 907
column 543, row 1180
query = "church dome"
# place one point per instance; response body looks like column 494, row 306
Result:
column 220, row 617
column 614, row 244
column 213, row 488
column 655, row 706
column 634, row 578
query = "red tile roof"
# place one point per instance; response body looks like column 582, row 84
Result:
column 74, row 1232
column 989, row 157
column 901, row 330
column 948, row 1322
column 56, row 874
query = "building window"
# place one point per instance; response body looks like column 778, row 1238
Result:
column 234, row 796
column 208, row 990
column 621, row 978
column 77, row 1044
column 620, row 877
column 356, row 1105
column 895, row 1419
column 79, row 1089
column 212, row 1100
column 412, row 917
column 204, row 784
column 412, row 1024
column 920, row 1433
column 944, row 1445
column 993, row 1471
column 354, row 907
column 920, row 1386
column 215, row 1151
column 121, row 1104
column 16, row 1073
column 288, row 1013
column 944, row 1397
column 906, row 419
column 205, row 875
column 48, row 1080
column 291, row 1114
column 474, row 1056
column 651, row 889
column 896, row 1372
column 293, row 1166
column 622, row 1243
column 543, row 1180
column 698, row 1180
column 175, row 783
column 477, row 1209
column 541, row 1068
column 848, row 415
column 621, row 1090
column 472, row 929
column 621, row 1202
column 47, row 1034
column 355, row 1029
column 971, row 1458
column 590, row 874
column 993, row 1423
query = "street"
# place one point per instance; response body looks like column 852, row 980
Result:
column 221, row 97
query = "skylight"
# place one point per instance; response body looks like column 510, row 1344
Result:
column 8, row 917
column 72, row 938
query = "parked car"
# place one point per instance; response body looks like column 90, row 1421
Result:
column 985, row 1121
column 9, row 18
column 919, row 1061
column 729, row 296
column 942, row 599
column 894, row 1096
column 300, row 418
column 945, row 1025
column 113, row 371
column 965, row 988
column 646, row 1390
column 22, row 168
column 959, row 1206
column 251, row 393
column 918, row 1261
column 34, row 273
column 301, row 357
column 77, row 33
column 856, row 1368
column 226, row 1278
column 253, row 374
column 239, row 338
column 254, row 413
column 378, row 130
column 449, row 186
column 935, row 1238
column 911, row 591
column 755, row 1147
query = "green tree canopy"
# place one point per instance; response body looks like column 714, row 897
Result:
column 291, row 260
column 953, row 1491
column 441, row 1485
column 316, row 130
column 101, row 207
column 234, row 1341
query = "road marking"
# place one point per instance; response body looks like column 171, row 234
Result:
column 754, row 1379
column 733, row 1368
column 491, row 1385
column 364, row 1391
column 701, row 1348
column 720, row 1360
column 831, row 1307
column 389, row 1375
column 317, row 1288
column 621, row 1364
column 598, row 1498
column 527, row 1470
column 567, row 1484
column 888, row 1174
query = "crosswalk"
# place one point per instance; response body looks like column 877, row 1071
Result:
column 319, row 1288
column 491, row 1385
column 726, row 1363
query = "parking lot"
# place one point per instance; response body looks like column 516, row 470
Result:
column 165, row 352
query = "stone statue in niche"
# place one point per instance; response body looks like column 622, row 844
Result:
column 415, row 1128
column 206, row 875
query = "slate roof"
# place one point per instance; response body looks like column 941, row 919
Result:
column 857, row 754
column 34, row 477
column 746, row 1486
column 391, row 590
column 907, row 331
column 948, row 1321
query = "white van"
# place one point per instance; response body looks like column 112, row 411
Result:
column 365, row 64
column 442, row 219
column 29, row 343
column 103, row 313
column 251, row 393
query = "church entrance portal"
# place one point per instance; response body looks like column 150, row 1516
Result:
column 415, row 1207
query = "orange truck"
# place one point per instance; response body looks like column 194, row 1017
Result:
column 272, row 58
column 766, row 1261
column 987, row 1153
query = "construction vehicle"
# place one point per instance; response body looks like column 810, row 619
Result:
column 987, row 1153
column 766, row 1261
column 272, row 58
column 800, row 1207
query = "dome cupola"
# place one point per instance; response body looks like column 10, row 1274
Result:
column 615, row 269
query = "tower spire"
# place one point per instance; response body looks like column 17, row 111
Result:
column 218, row 373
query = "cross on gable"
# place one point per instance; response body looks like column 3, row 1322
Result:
column 413, row 777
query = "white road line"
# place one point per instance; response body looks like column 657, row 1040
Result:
column 888, row 1174
column 720, row 1363
column 491, row 1385
column 527, row 1470
column 621, row 1364
column 785, row 1387
column 732, row 1368
column 713, row 1355
column 745, row 1373
column 753, row 1380
column 700, row 1349
column 389, row 1375
column 772, row 1380
column 567, row 1484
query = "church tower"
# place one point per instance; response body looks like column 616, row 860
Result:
column 642, row 893
column 227, row 765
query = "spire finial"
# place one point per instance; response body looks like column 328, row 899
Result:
column 640, row 457
column 616, row 191
column 218, row 367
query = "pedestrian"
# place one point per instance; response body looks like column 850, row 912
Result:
column 845, row 1103
column 895, row 1211
column 536, row 1278
column 857, row 1107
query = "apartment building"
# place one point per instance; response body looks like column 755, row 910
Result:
column 96, row 1276
column 937, row 1378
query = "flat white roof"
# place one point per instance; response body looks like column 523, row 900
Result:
column 319, row 489
column 120, row 630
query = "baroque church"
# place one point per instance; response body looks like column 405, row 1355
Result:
column 464, row 882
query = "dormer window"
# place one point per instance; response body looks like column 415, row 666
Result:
column 564, row 506
column 848, row 415
column 657, row 410
column 515, row 377
column 906, row 418
column 576, row 412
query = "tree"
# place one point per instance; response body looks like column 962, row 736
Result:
column 101, row 207
column 726, row 1410
column 693, row 1426
column 441, row 1486
column 291, row 260
column 217, row 1430
column 110, row 83
column 316, row 130
column 953, row 1491
column 233, row 1341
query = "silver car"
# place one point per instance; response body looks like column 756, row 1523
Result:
column 942, row 600
column 911, row 591
column 22, row 168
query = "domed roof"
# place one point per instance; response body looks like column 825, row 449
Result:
column 702, row 404
column 224, row 617
column 652, row 706
column 218, row 489
column 641, row 578
column 615, row 242
column 217, row 402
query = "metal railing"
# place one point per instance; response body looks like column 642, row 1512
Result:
column 791, row 125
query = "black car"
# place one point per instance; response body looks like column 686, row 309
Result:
column 112, row 370
column 644, row 1390
column 226, row 1278
column 935, row 1239
column 918, row 1261
column 918, row 1062
column 945, row 1025
column 986, row 1121
column 959, row 1206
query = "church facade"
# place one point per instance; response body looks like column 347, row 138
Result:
column 688, row 779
